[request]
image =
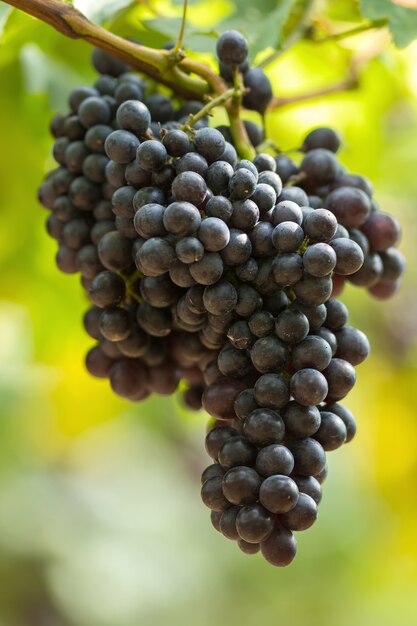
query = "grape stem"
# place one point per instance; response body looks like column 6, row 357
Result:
column 180, row 40
column 240, row 136
column 237, row 128
column 211, row 104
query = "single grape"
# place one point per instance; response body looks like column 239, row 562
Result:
column 341, row 377
column 320, row 166
column 301, row 421
column 189, row 187
column 350, row 206
column 280, row 547
column 332, row 432
column 271, row 391
column 382, row 231
column 322, row 137
column 309, row 457
column 232, row 48
column 309, row 386
column 319, row 259
column 133, row 116
column 210, row 143
column 278, row 493
column 213, row 234
column 260, row 90
column 263, row 427
column 287, row 237
column 349, row 256
column 302, row 516
column 107, row 289
column 291, row 326
column 241, row 485
column 237, row 451
column 254, row 523
column 245, row 403
column 121, row 146
column 352, row 345
column 181, row 218
column 274, row 459
column 269, row 354
column 212, row 495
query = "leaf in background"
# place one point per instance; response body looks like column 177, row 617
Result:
column 343, row 10
column 101, row 12
column 168, row 26
column 261, row 23
column 402, row 21
column 168, row 29
column 4, row 14
column 44, row 75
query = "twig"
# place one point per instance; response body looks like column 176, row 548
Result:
column 211, row 104
column 351, row 82
column 303, row 29
column 215, row 82
column 351, row 32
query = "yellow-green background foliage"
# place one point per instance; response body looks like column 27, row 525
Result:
column 100, row 518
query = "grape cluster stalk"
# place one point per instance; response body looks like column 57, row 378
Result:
column 221, row 273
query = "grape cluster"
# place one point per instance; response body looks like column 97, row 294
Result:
column 221, row 273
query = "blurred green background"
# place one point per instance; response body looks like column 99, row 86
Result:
column 101, row 522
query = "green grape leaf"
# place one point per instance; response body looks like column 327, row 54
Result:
column 101, row 12
column 168, row 29
column 402, row 21
column 343, row 11
column 262, row 22
column 42, row 74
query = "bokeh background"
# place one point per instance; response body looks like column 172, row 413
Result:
column 101, row 522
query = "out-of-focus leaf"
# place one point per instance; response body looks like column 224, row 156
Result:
column 261, row 23
column 402, row 21
column 168, row 29
column 100, row 12
column 343, row 10
column 42, row 74
column 5, row 10
column 269, row 30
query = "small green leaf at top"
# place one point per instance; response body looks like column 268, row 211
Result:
column 262, row 22
column 401, row 21
column 101, row 12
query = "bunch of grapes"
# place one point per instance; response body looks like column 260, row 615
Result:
column 222, row 273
